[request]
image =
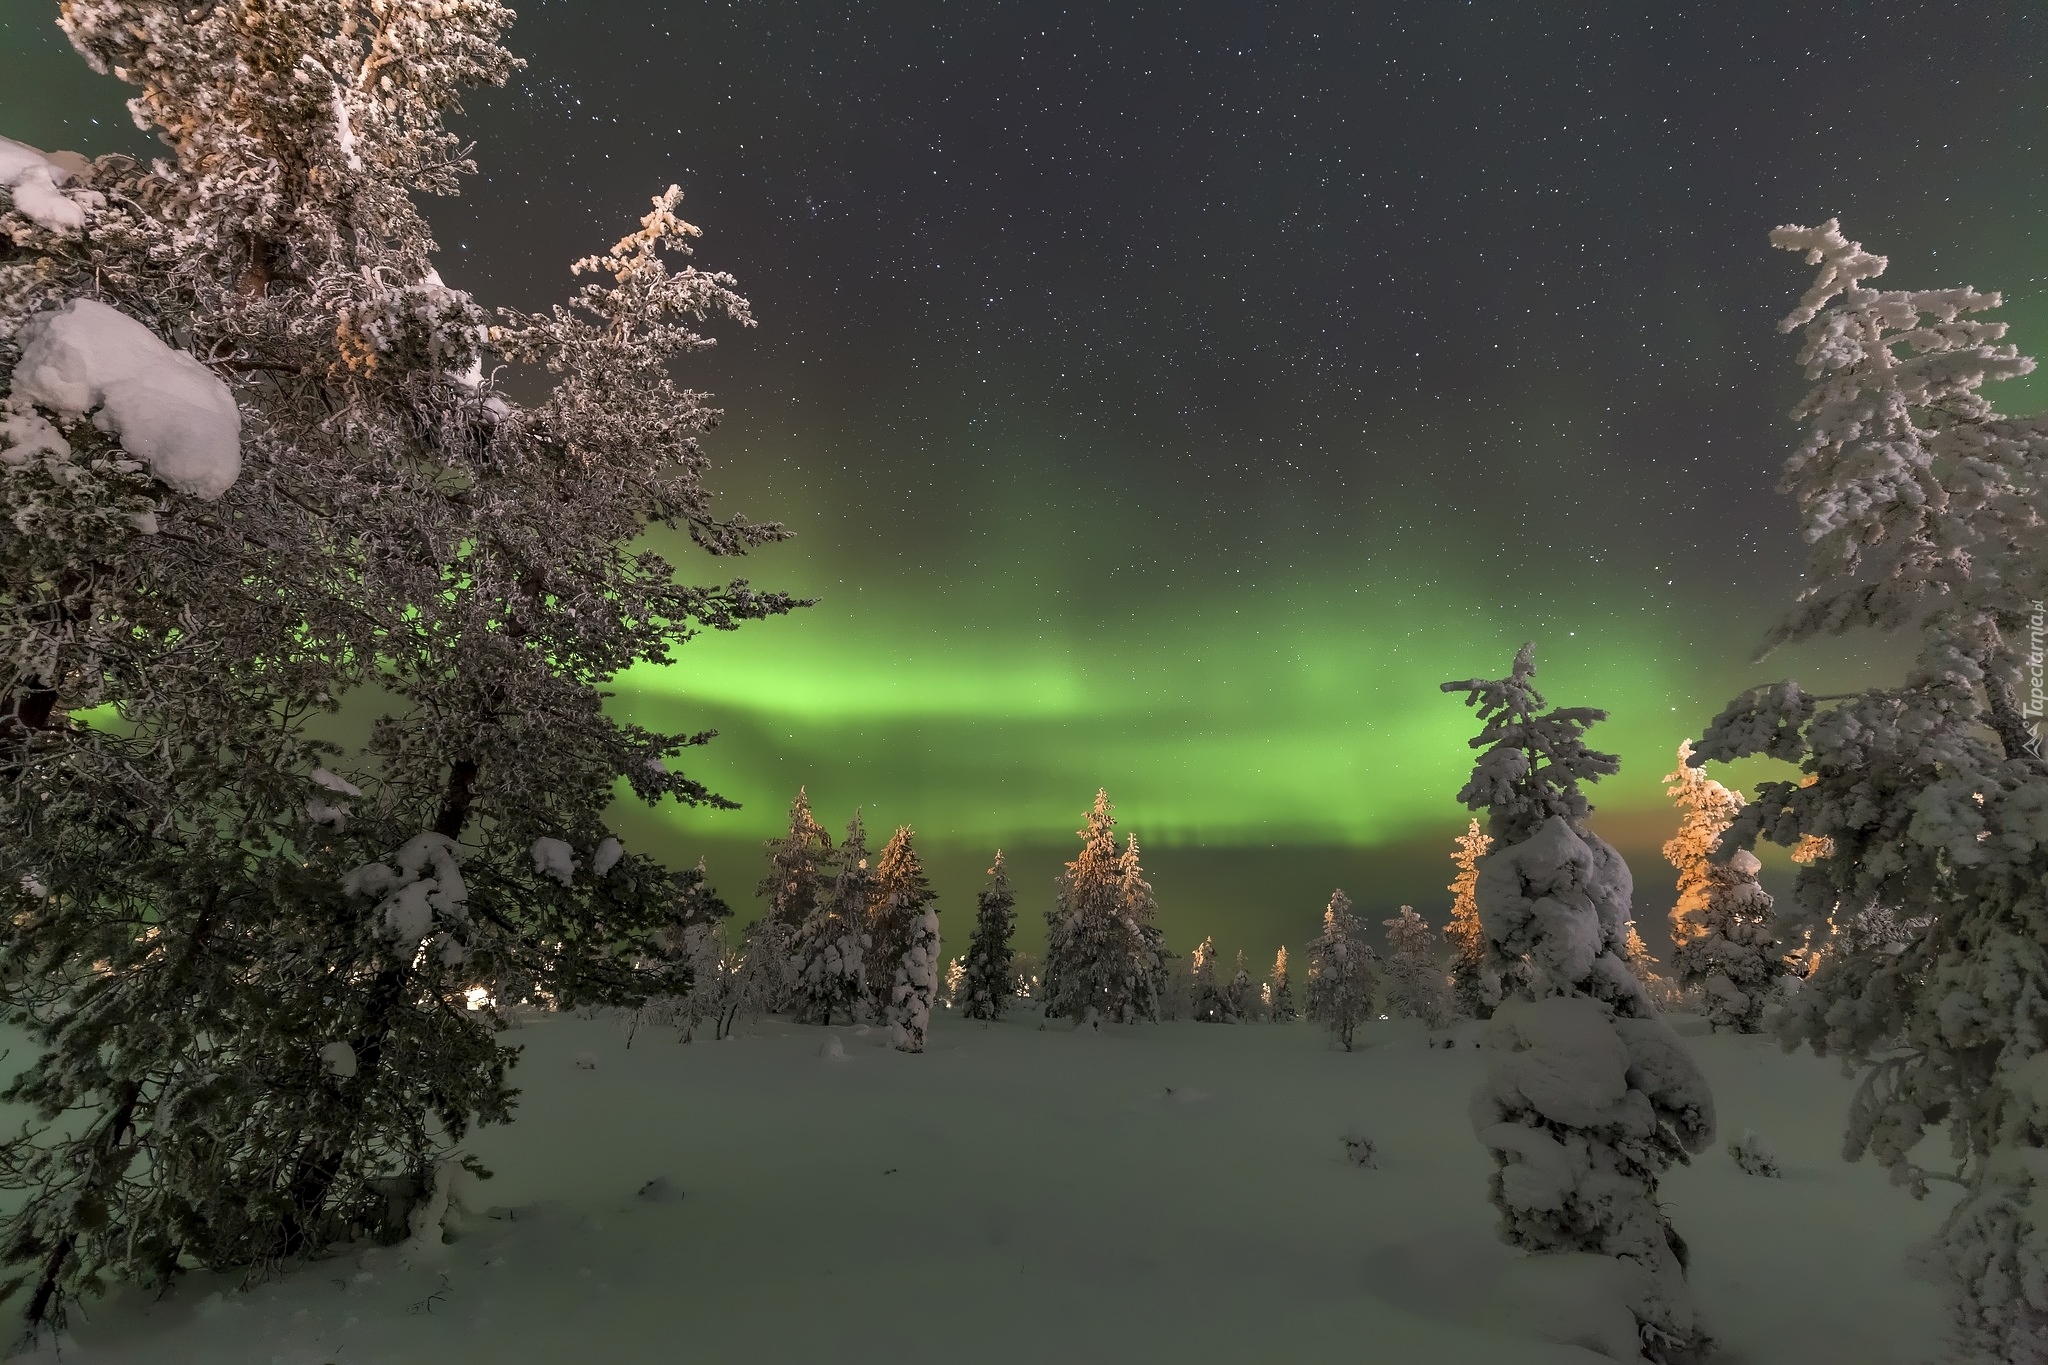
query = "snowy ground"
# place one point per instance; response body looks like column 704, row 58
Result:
column 1174, row 1193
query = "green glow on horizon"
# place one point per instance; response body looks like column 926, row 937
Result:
column 1309, row 716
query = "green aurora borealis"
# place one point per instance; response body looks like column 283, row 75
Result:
column 1170, row 401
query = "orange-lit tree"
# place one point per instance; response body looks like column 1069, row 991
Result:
column 1475, row 984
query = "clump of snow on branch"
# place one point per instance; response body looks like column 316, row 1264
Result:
column 37, row 183
column 554, row 858
column 423, row 889
column 167, row 409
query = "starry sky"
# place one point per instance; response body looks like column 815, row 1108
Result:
column 1169, row 399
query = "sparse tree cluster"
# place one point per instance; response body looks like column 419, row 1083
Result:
column 1103, row 953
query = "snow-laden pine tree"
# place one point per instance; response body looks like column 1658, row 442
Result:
column 897, row 895
column 1925, row 511
column 1343, row 972
column 1415, row 986
column 832, row 944
column 1734, row 957
column 1589, row 1096
column 1206, row 1001
column 990, row 983
column 916, row 983
column 255, row 453
column 802, row 871
column 1098, row 953
column 1475, row 982
column 1281, row 990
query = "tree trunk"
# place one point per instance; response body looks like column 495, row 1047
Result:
column 319, row 1166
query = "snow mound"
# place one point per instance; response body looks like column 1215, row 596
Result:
column 338, row 1060
column 166, row 408
column 1753, row 1156
column 660, row 1190
column 1577, row 1299
column 607, row 856
column 37, row 183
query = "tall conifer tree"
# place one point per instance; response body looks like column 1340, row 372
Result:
column 897, row 895
column 1923, row 509
column 991, row 979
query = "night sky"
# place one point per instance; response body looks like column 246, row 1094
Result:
column 1170, row 399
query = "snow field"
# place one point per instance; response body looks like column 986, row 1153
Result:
column 1152, row 1193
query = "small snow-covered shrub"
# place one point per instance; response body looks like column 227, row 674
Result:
column 1753, row 1156
column 585, row 1061
column 1361, row 1150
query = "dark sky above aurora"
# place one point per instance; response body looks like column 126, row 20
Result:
column 1169, row 399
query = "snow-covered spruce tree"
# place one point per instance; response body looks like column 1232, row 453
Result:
column 990, row 982
column 1589, row 1096
column 318, row 486
column 1734, row 957
column 801, row 874
column 1343, row 972
column 1475, row 983
column 1415, row 984
column 916, row 983
column 1140, row 910
column 897, row 895
column 1281, row 990
column 1206, row 1000
column 832, row 944
column 1925, row 511
column 1098, row 954
column 1242, row 1001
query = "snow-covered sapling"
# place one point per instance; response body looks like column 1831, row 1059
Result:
column 1589, row 1095
column 1360, row 1149
column 1752, row 1155
column 1343, row 972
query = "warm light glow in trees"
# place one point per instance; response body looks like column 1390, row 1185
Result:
column 1708, row 809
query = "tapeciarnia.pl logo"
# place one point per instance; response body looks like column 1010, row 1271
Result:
column 2035, row 707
